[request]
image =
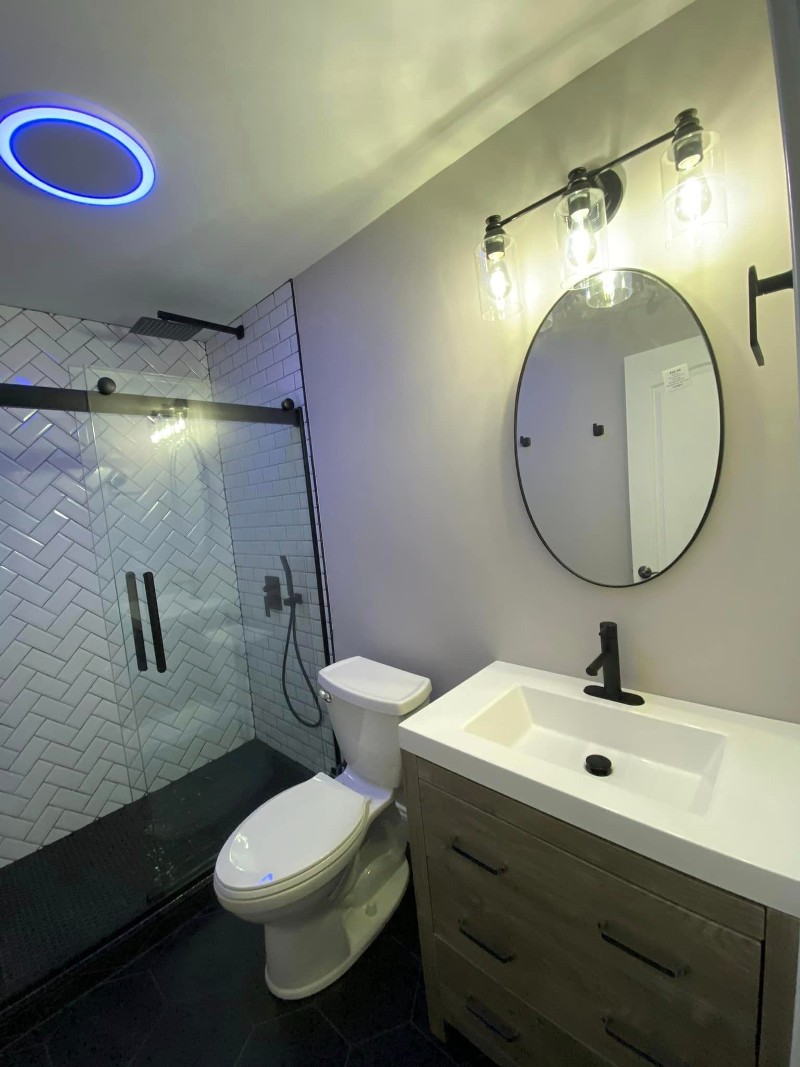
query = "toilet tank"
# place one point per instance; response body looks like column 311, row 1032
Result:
column 367, row 702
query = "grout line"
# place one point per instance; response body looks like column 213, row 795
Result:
column 245, row 1043
column 380, row 1033
column 333, row 1026
column 151, row 1031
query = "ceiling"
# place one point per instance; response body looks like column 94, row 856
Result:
column 278, row 130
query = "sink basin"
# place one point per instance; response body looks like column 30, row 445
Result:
column 709, row 791
column 665, row 761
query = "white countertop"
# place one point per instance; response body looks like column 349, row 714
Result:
column 745, row 839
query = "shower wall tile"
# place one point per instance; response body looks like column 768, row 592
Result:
column 265, row 487
column 62, row 754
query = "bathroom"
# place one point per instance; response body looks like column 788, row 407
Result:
column 207, row 541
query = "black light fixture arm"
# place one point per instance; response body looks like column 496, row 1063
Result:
column 683, row 122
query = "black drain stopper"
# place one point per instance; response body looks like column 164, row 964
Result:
column 598, row 765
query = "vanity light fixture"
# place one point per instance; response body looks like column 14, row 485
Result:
column 581, row 233
column 694, row 198
column 693, row 183
column 498, row 273
column 609, row 288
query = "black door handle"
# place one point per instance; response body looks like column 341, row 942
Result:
column 136, row 620
column 155, row 620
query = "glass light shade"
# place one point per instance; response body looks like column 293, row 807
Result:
column 581, row 232
column 498, row 277
column 693, row 184
column 609, row 288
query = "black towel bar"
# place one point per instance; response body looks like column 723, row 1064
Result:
column 760, row 287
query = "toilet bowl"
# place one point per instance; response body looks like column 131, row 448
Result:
column 322, row 866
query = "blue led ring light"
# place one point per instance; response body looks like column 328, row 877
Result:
column 14, row 122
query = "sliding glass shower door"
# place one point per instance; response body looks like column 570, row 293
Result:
column 168, row 579
column 183, row 568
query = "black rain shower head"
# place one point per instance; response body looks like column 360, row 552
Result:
column 169, row 331
column 173, row 327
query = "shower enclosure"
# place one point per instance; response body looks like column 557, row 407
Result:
column 146, row 686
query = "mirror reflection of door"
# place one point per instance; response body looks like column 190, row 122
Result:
column 619, row 432
column 672, row 415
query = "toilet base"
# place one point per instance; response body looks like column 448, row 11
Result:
column 321, row 951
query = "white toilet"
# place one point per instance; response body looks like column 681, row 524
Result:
column 323, row 865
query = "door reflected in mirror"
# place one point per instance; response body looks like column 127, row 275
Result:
column 618, row 429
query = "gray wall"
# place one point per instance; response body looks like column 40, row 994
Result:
column 432, row 561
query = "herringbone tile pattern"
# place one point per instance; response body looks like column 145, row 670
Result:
column 67, row 725
column 162, row 508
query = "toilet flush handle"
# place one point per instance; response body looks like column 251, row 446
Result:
column 325, row 695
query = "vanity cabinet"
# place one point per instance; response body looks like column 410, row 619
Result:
column 544, row 944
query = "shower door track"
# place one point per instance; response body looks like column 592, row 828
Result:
column 50, row 398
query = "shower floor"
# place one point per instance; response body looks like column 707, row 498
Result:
column 69, row 898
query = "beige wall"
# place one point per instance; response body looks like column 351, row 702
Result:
column 432, row 562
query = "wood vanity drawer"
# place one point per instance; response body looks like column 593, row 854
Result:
column 584, row 946
column 503, row 1026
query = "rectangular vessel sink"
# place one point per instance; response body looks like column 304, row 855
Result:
column 665, row 761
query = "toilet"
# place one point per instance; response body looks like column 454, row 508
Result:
column 322, row 866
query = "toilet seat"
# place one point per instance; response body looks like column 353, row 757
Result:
column 291, row 839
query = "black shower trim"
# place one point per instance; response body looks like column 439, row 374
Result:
column 49, row 398
column 317, row 538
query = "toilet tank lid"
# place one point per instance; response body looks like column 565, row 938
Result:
column 375, row 685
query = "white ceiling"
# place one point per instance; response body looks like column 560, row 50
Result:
column 278, row 129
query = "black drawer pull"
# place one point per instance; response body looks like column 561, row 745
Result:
column 498, row 954
column 492, row 868
column 676, row 970
column 490, row 1020
column 625, row 1037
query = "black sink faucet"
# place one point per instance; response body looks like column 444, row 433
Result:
column 608, row 662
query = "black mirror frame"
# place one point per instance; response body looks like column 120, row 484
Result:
column 717, row 474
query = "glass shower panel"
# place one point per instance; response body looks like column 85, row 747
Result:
column 165, row 553
column 268, row 494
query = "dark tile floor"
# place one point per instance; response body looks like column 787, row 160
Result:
column 62, row 901
column 198, row 997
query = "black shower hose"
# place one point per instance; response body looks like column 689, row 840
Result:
column 291, row 633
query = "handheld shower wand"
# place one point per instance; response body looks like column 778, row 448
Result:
column 291, row 601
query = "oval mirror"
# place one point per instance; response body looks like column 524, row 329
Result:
column 618, row 428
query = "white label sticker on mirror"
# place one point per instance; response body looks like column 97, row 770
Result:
column 676, row 377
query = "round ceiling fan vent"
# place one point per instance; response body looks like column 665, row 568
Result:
column 77, row 156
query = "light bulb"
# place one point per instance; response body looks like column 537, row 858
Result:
column 692, row 198
column 497, row 270
column 499, row 282
column 608, row 289
column 581, row 245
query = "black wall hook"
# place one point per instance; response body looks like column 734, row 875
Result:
column 760, row 287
